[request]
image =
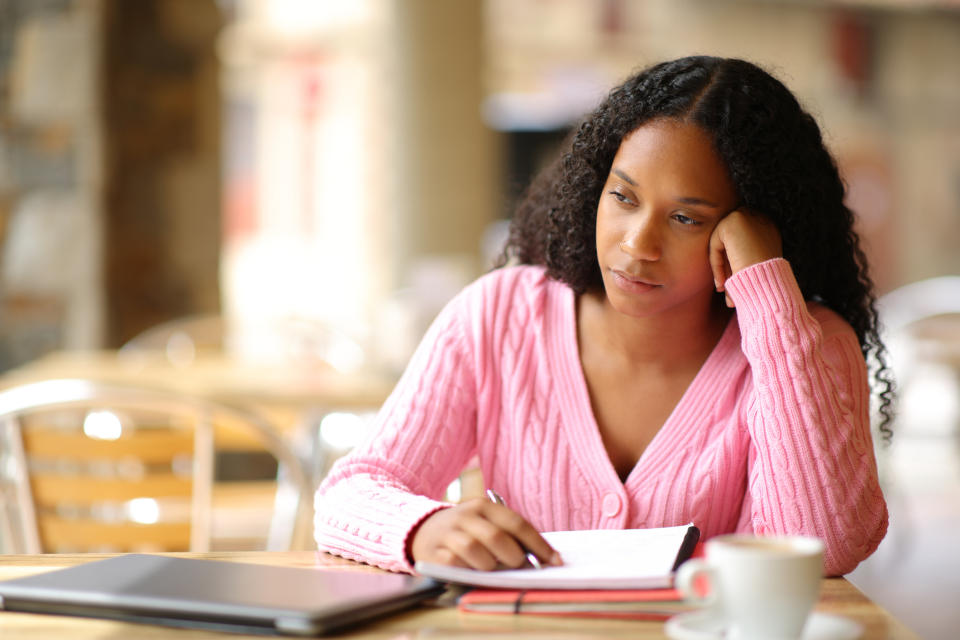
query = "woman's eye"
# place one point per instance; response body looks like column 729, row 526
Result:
column 620, row 197
column 685, row 220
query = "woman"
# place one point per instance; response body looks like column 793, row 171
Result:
column 684, row 341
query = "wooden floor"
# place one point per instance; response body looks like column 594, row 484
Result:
column 915, row 573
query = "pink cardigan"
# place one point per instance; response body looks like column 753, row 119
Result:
column 771, row 437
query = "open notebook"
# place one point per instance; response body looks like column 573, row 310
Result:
column 227, row 596
column 593, row 559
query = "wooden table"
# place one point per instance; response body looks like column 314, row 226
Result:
column 837, row 597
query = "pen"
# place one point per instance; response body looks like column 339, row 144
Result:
column 497, row 499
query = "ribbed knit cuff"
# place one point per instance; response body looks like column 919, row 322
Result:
column 372, row 531
column 764, row 287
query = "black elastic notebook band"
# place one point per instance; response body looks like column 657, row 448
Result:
column 519, row 601
column 687, row 546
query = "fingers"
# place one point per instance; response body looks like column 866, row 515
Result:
column 718, row 261
column 471, row 550
column 748, row 239
column 479, row 535
column 447, row 557
column 524, row 535
column 739, row 240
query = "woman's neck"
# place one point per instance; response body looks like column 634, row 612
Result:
column 666, row 341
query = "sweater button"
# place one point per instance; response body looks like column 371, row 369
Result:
column 611, row 505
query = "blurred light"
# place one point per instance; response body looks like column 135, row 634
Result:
column 102, row 425
column 340, row 430
column 298, row 16
column 455, row 491
column 182, row 465
column 9, row 468
column 181, row 352
column 130, row 468
column 929, row 400
column 107, row 512
column 143, row 510
column 345, row 355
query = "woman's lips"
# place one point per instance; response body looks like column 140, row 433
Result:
column 631, row 284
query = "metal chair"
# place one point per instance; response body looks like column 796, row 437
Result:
column 301, row 341
column 921, row 328
column 88, row 466
column 920, row 469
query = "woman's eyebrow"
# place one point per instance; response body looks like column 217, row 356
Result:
column 620, row 174
column 681, row 199
column 697, row 202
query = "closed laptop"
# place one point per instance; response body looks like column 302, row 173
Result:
column 214, row 594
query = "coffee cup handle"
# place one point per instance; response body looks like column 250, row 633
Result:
column 686, row 582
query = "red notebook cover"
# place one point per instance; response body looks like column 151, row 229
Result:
column 637, row 604
column 633, row 604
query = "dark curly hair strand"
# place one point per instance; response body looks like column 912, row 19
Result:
column 778, row 164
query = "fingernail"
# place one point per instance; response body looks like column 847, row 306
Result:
column 556, row 560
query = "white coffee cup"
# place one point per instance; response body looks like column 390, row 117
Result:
column 762, row 587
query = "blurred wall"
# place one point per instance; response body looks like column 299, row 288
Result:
column 116, row 161
column 446, row 155
column 360, row 176
column 109, row 170
column 161, row 132
column 50, row 177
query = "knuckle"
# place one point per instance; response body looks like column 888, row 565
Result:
column 499, row 539
column 474, row 506
column 516, row 523
column 470, row 546
column 444, row 556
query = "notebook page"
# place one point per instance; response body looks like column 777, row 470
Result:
column 593, row 559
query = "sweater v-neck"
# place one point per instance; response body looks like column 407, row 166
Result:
column 579, row 419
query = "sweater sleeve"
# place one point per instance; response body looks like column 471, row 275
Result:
column 373, row 498
column 812, row 470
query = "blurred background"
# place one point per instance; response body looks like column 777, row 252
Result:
column 291, row 168
column 350, row 162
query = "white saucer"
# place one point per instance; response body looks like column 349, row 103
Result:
column 704, row 625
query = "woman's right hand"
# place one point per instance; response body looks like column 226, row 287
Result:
column 479, row 534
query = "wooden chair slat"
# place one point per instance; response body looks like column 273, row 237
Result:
column 168, row 450
column 144, row 444
column 62, row 533
column 50, row 489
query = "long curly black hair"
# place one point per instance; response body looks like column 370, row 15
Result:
column 777, row 161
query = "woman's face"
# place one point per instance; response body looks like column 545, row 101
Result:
column 666, row 191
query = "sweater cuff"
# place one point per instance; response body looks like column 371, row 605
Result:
column 377, row 533
column 407, row 514
column 763, row 288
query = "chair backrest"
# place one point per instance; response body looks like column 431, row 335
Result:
column 921, row 330
column 919, row 300
column 922, row 320
column 181, row 339
column 92, row 466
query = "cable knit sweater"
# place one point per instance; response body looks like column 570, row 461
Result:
column 771, row 437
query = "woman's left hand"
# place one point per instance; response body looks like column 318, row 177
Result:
column 739, row 240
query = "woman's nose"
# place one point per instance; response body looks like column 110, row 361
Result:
column 642, row 240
